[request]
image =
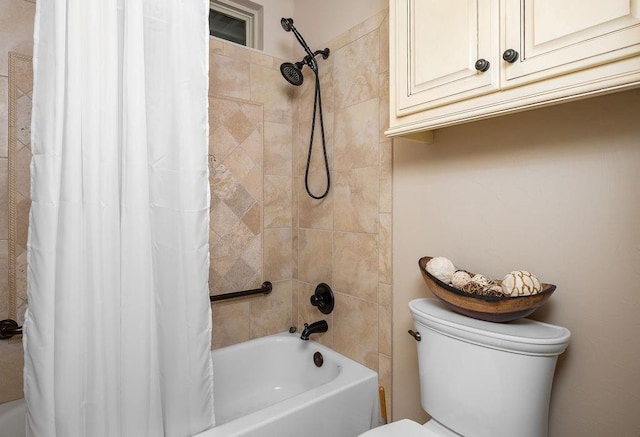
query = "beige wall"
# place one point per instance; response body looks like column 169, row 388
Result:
column 554, row 191
column 317, row 21
column 277, row 42
column 322, row 21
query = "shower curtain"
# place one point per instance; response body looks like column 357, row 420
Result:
column 117, row 334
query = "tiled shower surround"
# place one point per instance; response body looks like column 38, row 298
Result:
column 263, row 224
column 343, row 240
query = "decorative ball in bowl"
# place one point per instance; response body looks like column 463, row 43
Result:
column 489, row 308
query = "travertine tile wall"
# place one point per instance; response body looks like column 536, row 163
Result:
column 16, row 35
column 19, row 182
column 345, row 239
column 264, row 227
column 250, row 115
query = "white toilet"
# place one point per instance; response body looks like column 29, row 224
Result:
column 481, row 379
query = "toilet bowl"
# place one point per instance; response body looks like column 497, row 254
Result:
column 481, row 379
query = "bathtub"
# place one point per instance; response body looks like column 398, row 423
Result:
column 271, row 387
column 12, row 422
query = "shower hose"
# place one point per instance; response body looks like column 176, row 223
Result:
column 317, row 104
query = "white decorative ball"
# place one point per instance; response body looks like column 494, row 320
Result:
column 441, row 267
column 481, row 280
column 496, row 290
column 520, row 283
column 460, row 278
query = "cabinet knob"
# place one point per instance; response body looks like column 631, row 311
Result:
column 510, row 56
column 482, row 65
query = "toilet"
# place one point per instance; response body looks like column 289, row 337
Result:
column 481, row 379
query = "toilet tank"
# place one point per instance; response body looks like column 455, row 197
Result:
column 488, row 379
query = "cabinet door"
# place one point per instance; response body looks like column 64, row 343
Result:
column 555, row 37
column 437, row 44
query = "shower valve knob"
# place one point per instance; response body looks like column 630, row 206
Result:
column 510, row 56
column 482, row 65
column 323, row 298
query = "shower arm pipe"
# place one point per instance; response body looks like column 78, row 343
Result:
column 311, row 61
column 264, row 289
column 324, row 53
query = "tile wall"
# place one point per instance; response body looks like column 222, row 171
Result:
column 250, row 116
column 16, row 36
column 263, row 225
column 343, row 240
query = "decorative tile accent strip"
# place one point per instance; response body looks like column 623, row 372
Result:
column 235, row 164
column 20, row 91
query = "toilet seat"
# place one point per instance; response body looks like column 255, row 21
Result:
column 404, row 428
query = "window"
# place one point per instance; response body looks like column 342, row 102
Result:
column 238, row 21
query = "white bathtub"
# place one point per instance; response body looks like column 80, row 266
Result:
column 12, row 420
column 270, row 387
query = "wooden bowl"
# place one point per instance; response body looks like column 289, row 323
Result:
column 489, row 308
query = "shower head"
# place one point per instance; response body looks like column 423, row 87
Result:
column 287, row 24
column 292, row 72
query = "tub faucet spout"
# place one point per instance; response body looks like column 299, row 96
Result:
column 314, row 328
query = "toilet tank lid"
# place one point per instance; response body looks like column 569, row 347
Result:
column 523, row 336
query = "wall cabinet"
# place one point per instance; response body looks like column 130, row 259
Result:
column 460, row 60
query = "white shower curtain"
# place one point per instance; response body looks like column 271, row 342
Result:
column 117, row 333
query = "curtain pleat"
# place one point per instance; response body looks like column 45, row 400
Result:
column 118, row 330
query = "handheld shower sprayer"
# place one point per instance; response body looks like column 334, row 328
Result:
column 287, row 25
column 292, row 72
